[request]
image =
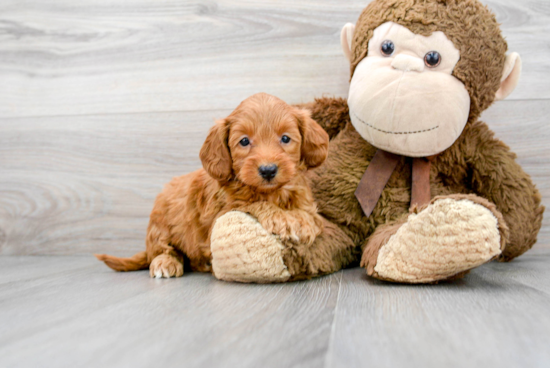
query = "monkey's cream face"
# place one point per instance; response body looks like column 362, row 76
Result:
column 403, row 97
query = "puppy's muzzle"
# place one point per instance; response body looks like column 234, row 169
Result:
column 268, row 172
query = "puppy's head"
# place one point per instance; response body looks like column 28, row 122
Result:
column 263, row 143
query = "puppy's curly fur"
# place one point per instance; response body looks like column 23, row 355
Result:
column 262, row 131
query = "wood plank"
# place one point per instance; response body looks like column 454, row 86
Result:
column 117, row 56
column 84, row 184
column 95, row 317
column 91, row 316
column 486, row 320
column 528, row 270
column 24, row 268
column 77, row 185
column 523, row 125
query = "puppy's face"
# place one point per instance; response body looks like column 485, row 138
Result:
column 267, row 142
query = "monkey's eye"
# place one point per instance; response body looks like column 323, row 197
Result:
column 244, row 142
column 432, row 59
column 387, row 48
column 285, row 139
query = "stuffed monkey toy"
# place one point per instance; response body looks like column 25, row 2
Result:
column 415, row 187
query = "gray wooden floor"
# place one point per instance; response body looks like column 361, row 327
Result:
column 102, row 102
column 71, row 311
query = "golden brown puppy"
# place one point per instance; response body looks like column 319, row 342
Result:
column 254, row 161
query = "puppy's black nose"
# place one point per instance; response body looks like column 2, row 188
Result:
column 268, row 172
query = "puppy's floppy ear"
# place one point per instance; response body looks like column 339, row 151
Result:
column 215, row 155
column 314, row 139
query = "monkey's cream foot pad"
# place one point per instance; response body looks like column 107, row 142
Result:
column 243, row 251
column 445, row 239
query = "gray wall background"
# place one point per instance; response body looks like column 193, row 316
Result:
column 104, row 101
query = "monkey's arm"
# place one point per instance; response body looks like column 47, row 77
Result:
column 330, row 113
column 497, row 176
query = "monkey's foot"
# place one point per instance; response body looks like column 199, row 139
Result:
column 243, row 251
column 444, row 240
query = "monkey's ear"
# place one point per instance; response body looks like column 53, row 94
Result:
column 510, row 76
column 314, row 149
column 215, row 155
column 345, row 39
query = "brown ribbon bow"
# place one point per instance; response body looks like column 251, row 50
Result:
column 379, row 172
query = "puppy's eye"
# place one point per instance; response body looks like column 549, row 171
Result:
column 387, row 48
column 244, row 142
column 285, row 139
column 432, row 59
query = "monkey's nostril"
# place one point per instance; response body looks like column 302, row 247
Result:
column 268, row 172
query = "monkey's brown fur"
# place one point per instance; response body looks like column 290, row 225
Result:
column 477, row 163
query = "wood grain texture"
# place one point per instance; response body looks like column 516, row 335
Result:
column 524, row 126
column 61, row 57
column 73, row 311
column 104, row 101
column 94, row 317
column 498, row 316
column 85, row 184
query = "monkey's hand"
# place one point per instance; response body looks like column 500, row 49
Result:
column 439, row 241
column 243, row 251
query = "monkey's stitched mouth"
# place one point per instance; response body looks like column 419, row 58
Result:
column 389, row 132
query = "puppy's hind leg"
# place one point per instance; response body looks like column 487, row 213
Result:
column 166, row 265
column 165, row 261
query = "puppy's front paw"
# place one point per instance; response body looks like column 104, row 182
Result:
column 298, row 227
column 165, row 265
column 310, row 228
column 285, row 228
